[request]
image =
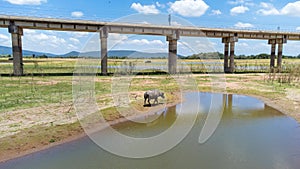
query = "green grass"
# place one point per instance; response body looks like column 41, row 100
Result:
column 25, row 92
column 57, row 65
column 18, row 93
column 31, row 91
column 40, row 66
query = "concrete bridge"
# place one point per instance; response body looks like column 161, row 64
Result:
column 16, row 24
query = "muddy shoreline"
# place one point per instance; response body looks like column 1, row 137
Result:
column 11, row 155
column 281, row 104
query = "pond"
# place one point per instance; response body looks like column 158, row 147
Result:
column 251, row 135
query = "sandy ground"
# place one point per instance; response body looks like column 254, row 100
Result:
column 13, row 123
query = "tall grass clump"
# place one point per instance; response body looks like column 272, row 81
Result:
column 289, row 75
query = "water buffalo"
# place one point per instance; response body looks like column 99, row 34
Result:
column 153, row 94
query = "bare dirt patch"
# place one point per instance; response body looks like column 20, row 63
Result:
column 13, row 122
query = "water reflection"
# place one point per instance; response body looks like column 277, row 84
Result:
column 251, row 135
column 162, row 121
column 237, row 106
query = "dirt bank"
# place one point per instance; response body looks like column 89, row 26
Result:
column 34, row 129
column 43, row 127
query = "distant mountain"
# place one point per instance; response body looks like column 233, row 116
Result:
column 114, row 53
column 125, row 53
column 70, row 54
column 8, row 51
column 5, row 50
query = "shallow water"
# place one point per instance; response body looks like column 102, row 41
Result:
column 251, row 135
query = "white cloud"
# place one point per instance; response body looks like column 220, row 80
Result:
column 72, row 47
column 189, row 8
column 183, row 43
column 160, row 5
column 291, row 9
column 250, row 47
column 79, row 34
column 74, row 40
column 3, row 37
column 26, row 2
column 117, row 37
column 267, row 9
column 43, row 38
column 29, row 31
column 239, row 10
column 45, row 41
column 145, row 9
column 298, row 28
column 40, row 37
column 141, row 42
column 243, row 25
column 291, row 48
column 5, row 40
column 77, row 14
column 242, row 44
column 174, row 23
column 216, row 12
column 236, row 2
column 143, row 22
column 241, row 2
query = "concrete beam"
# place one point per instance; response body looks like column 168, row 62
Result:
column 16, row 38
column 93, row 26
column 103, row 41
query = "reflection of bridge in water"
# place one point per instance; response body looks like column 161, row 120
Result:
column 238, row 106
column 16, row 24
column 235, row 106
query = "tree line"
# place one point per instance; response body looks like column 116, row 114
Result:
column 212, row 55
column 208, row 55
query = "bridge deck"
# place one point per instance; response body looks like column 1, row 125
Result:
column 146, row 29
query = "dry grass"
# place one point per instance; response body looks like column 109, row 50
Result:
column 36, row 111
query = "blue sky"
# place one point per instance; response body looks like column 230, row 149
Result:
column 240, row 14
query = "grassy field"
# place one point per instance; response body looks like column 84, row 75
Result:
column 66, row 66
column 37, row 110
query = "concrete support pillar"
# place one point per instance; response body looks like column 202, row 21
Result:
column 103, row 41
column 226, row 53
column 273, row 50
column 280, row 43
column 279, row 57
column 172, row 58
column 229, row 43
column 273, row 43
column 231, row 68
column 16, row 38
